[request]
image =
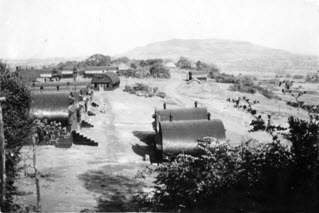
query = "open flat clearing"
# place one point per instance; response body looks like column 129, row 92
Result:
column 102, row 178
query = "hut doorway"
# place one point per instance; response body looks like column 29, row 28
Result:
column 101, row 87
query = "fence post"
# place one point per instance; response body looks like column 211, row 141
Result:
column 3, row 159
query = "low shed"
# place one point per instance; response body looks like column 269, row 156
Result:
column 198, row 75
column 106, row 81
column 178, row 137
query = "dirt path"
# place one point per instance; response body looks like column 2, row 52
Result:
column 85, row 177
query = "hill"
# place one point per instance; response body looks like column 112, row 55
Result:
column 229, row 55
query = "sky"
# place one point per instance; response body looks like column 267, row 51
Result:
column 72, row 28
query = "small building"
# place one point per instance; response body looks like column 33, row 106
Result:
column 197, row 75
column 170, row 65
column 105, row 81
column 90, row 71
column 123, row 67
column 67, row 74
column 46, row 75
column 32, row 75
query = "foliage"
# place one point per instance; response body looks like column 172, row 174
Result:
column 314, row 78
column 210, row 68
column 48, row 133
column 141, row 89
column 267, row 174
column 98, row 60
column 184, row 63
column 187, row 181
column 159, row 71
column 304, row 138
column 135, row 73
column 120, row 60
column 298, row 77
column 16, row 125
column 295, row 96
column 223, row 77
column 247, row 84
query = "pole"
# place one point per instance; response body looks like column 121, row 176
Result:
column 3, row 159
column 36, row 175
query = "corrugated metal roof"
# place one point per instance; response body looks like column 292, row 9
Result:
column 51, row 105
column 181, row 136
column 92, row 68
column 199, row 113
column 111, row 77
column 182, row 114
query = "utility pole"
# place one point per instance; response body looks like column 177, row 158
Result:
column 2, row 159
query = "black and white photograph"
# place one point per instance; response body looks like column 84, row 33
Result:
column 159, row 106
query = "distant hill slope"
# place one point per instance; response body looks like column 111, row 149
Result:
column 229, row 55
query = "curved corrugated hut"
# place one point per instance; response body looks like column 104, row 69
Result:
column 180, row 136
column 199, row 113
column 106, row 81
column 52, row 106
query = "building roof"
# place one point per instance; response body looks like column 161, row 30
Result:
column 170, row 65
column 199, row 73
column 52, row 105
column 93, row 72
column 32, row 74
column 67, row 72
column 105, row 68
column 182, row 114
column 46, row 75
column 123, row 66
column 181, row 136
column 107, row 77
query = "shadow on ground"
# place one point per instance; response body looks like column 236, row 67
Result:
column 116, row 190
column 150, row 139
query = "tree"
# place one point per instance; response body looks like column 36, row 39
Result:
column 120, row 60
column 98, row 60
column 159, row 70
column 184, row 63
column 17, row 125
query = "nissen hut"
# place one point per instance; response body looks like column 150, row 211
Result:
column 105, row 81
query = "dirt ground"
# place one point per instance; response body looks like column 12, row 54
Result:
column 102, row 178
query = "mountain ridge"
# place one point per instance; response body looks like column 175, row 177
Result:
column 229, row 55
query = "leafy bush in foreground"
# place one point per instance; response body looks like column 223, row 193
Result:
column 17, row 126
